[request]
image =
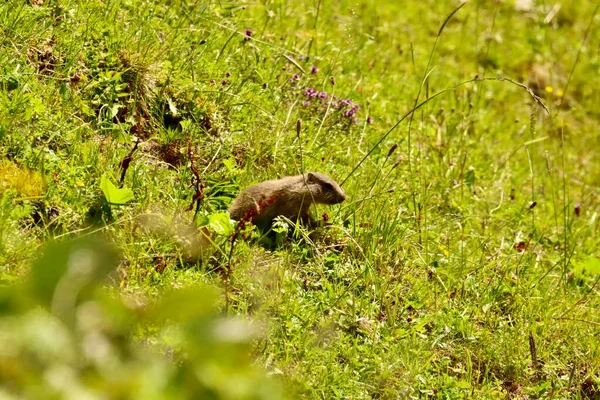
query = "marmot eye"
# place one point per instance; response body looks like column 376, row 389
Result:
column 328, row 186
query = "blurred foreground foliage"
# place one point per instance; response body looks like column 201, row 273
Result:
column 64, row 335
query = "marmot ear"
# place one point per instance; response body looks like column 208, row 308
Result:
column 311, row 177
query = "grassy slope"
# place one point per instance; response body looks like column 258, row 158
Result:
column 431, row 292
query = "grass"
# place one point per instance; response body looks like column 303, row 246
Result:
column 464, row 263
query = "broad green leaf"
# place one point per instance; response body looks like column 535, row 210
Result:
column 172, row 106
column 592, row 265
column 202, row 220
column 114, row 110
column 221, row 224
column 113, row 194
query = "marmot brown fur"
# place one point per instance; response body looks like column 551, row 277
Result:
column 290, row 197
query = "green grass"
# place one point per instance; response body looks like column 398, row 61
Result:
column 471, row 229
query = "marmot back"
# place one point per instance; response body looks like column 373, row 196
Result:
column 290, row 197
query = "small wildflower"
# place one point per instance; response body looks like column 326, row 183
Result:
column 520, row 246
column 227, row 74
column 295, row 78
column 560, row 93
column 549, row 89
column 369, row 120
column 306, row 103
column 310, row 92
column 351, row 112
column 325, row 217
column 224, row 82
column 212, row 82
column 578, row 209
column 247, row 34
column 322, row 95
column 454, row 182
column 314, row 70
column 301, row 58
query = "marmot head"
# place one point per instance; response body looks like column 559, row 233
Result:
column 324, row 189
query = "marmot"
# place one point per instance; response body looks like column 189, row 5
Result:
column 290, row 197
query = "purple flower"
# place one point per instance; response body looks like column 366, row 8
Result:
column 322, row 95
column 314, row 70
column 369, row 120
column 310, row 92
column 334, row 104
column 224, row 82
column 295, row 78
column 227, row 74
column 306, row 103
column 301, row 58
column 344, row 103
column 351, row 111
column 247, row 34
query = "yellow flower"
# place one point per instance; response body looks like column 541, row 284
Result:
column 549, row 89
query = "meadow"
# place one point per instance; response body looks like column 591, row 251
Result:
column 464, row 262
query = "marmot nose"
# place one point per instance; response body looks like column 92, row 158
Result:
column 342, row 196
